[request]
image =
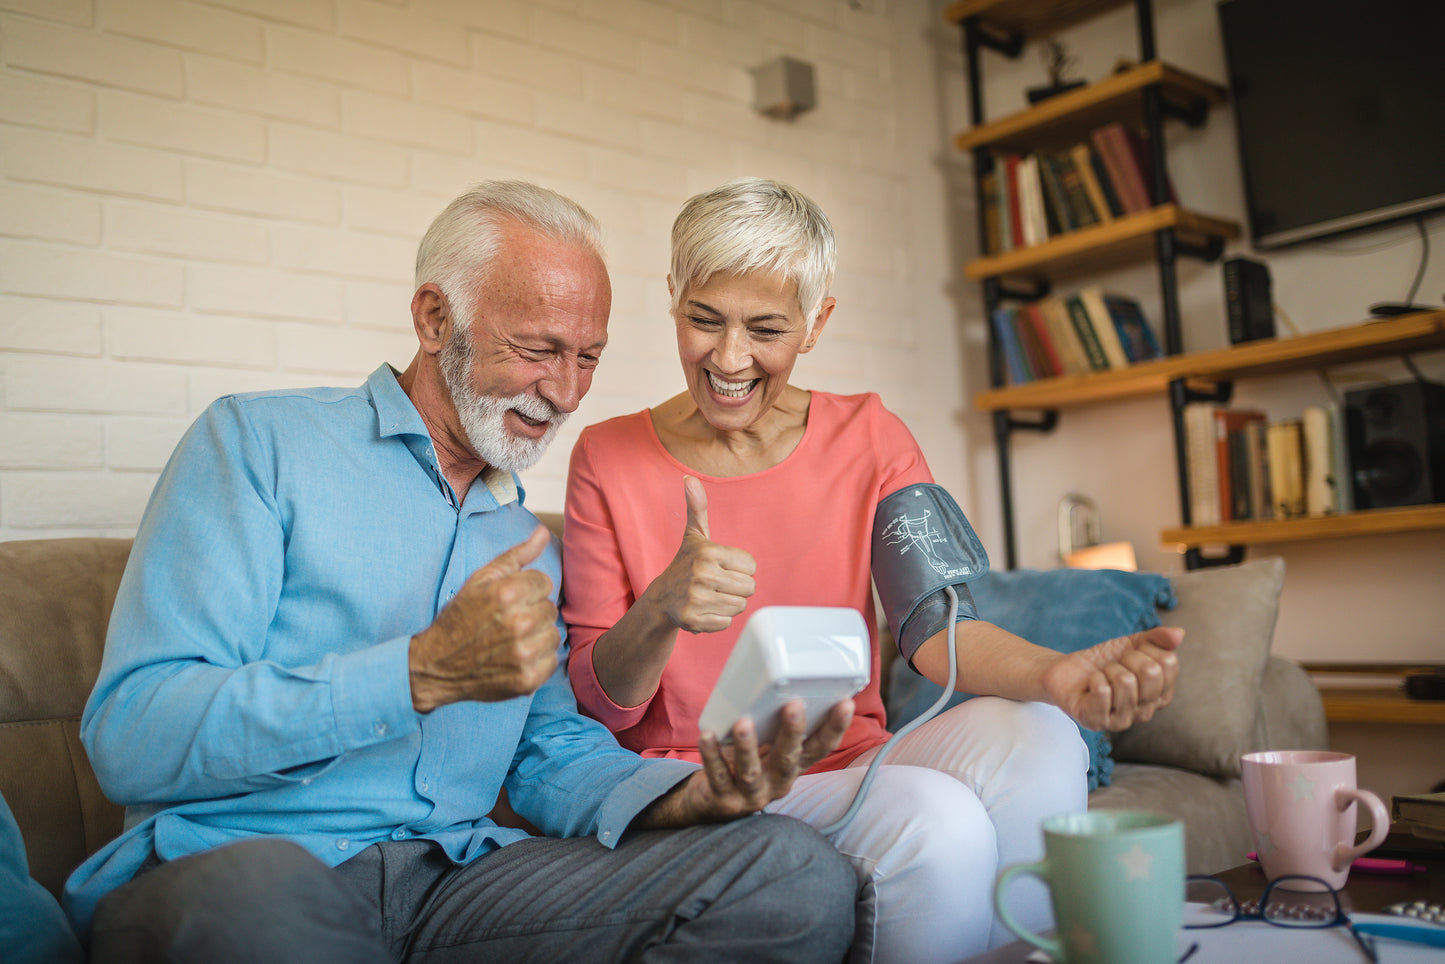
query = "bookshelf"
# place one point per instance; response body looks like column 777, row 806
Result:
column 1424, row 331
column 1142, row 97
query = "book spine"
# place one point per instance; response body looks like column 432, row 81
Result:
column 1002, row 203
column 1056, row 204
column 1031, row 198
column 1003, row 330
column 1015, row 208
column 1045, row 338
column 1034, row 357
column 1106, row 183
column 1319, row 472
column 1079, row 317
column 1138, row 338
column 1202, row 463
column 1066, row 340
column 1082, row 159
column 1113, row 145
column 1104, row 329
column 1223, row 466
column 1081, row 208
column 1254, row 458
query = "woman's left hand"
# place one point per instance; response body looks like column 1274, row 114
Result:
column 1119, row 682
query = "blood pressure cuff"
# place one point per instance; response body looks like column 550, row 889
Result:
column 921, row 543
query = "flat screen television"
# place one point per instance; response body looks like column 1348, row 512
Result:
column 1340, row 110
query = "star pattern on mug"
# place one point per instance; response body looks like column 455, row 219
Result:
column 1302, row 787
column 1137, row 862
column 1266, row 844
column 1083, row 943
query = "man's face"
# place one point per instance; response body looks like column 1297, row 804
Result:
column 522, row 363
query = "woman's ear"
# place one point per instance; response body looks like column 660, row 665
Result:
column 825, row 311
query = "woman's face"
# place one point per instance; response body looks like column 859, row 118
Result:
column 738, row 337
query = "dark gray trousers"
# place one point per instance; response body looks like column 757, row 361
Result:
column 764, row 888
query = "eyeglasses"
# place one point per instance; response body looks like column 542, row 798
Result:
column 1291, row 901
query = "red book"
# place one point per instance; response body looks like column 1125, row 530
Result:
column 1011, row 177
column 1227, row 422
column 1112, row 143
column 1045, row 340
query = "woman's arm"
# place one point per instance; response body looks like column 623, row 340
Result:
column 701, row 590
column 1108, row 686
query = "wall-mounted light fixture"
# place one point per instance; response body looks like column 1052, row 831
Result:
column 783, row 88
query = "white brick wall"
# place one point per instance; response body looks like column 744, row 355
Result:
column 205, row 197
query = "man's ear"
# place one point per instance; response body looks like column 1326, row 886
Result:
column 430, row 317
column 825, row 311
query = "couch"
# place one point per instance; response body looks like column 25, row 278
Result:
column 56, row 595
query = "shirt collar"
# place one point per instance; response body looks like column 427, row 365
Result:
column 396, row 415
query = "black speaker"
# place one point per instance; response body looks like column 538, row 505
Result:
column 1396, row 437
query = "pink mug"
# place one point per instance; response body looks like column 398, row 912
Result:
column 1301, row 806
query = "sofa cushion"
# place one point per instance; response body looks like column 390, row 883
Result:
column 1063, row 609
column 1228, row 616
column 55, row 597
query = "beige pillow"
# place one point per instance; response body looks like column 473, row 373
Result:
column 1228, row 615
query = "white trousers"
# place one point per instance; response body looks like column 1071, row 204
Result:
column 957, row 800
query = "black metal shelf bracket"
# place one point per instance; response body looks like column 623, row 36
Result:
column 1209, row 251
column 1045, row 423
column 1013, row 291
column 977, row 35
column 1194, row 558
column 1193, row 114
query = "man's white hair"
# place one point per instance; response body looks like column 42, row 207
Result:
column 754, row 224
column 457, row 250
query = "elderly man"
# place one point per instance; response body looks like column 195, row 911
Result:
column 336, row 644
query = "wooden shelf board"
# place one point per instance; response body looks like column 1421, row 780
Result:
column 1066, row 119
column 1366, row 522
column 1411, row 333
column 1101, row 246
column 1028, row 18
column 1348, row 704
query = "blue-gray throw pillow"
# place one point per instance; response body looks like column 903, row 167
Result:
column 1063, row 609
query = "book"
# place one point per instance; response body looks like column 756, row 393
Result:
column 1007, row 338
column 1233, row 465
column 988, row 200
column 1003, row 205
column 1105, row 182
column 1319, row 468
column 1422, row 814
column 1257, row 471
column 1248, row 303
column 1079, row 319
column 1039, row 353
column 1083, row 163
column 1031, row 201
column 1340, row 460
column 1066, row 341
column 1112, row 143
column 1081, row 207
column 1286, row 475
column 1138, row 338
column 1202, row 463
column 1103, row 324
column 1015, row 210
column 1056, row 204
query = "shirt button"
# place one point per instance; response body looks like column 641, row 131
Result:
column 399, row 834
column 425, row 786
column 379, row 728
column 605, row 836
column 343, row 845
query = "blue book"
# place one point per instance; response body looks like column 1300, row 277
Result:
column 1138, row 338
column 1013, row 352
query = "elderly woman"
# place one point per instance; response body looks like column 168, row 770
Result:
column 745, row 491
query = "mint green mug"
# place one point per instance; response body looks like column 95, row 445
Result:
column 1116, row 882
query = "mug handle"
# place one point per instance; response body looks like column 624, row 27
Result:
column 1379, row 824
column 1041, row 871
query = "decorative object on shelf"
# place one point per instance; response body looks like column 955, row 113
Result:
column 1057, row 61
column 1248, row 300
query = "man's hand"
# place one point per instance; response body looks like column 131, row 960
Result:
column 706, row 584
column 496, row 639
column 1117, row 683
column 742, row 778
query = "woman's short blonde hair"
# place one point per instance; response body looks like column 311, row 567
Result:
column 754, row 224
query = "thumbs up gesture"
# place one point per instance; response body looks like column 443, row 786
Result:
column 496, row 639
column 706, row 584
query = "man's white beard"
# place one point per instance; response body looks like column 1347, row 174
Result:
column 483, row 417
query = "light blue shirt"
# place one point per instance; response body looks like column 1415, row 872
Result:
column 255, row 677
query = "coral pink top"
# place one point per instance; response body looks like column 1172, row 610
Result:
column 808, row 522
